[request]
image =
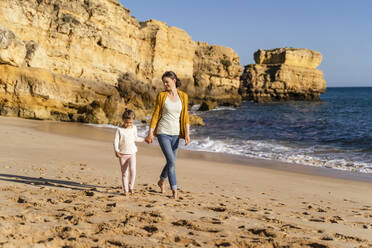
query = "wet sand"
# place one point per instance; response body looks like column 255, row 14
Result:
column 60, row 186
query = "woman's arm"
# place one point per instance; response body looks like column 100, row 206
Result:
column 154, row 121
column 187, row 129
column 156, row 114
column 187, row 118
column 187, row 121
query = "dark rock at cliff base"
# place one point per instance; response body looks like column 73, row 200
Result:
column 207, row 105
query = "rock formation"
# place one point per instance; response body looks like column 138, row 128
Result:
column 39, row 94
column 97, row 43
column 12, row 50
column 283, row 74
column 216, row 75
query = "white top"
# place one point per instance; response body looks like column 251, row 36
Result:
column 170, row 118
column 125, row 139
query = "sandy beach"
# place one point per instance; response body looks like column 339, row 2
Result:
column 60, row 187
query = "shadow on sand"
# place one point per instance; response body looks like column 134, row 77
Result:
column 40, row 181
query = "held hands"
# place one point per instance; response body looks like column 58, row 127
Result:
column 149, row 139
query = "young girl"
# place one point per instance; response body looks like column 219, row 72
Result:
column 125, row 150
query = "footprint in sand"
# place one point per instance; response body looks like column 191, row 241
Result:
column 218, row 209
column 362, row 225
column 334, row 219
column 51, row 201
column 63, row 232
column 327, row 238
column 223, row 243
column 89, row 214
column 239, row 213
column 320, row 210
column 316, row 245
column 214, row 221
column 117, row 243
column 314, row 219
column 72, row 219
column 154, row 214
column 21, row 199
column 348, row 238
column 151, row 229
column 265, row 232
column 271, row 220
column 290, row 226
column 89, row 193
column 111, row 204
column 279, row 204
column 356, row 213
column 186, row 241
column 366, row 208
column 184, row 223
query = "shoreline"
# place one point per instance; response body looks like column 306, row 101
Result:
column 102, row 134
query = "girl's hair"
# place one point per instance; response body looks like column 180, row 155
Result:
column 128, row 114
column 172, row 75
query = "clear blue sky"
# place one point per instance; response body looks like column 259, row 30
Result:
column 340, row 29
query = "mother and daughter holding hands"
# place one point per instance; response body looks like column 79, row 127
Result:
column 170, row 122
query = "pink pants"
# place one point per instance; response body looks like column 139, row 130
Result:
column 128, row 166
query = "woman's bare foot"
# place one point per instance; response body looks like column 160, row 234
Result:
column 161, row 185
column 131, row 191
column 175, row 194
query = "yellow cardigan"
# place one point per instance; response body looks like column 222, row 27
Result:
column 160, row 101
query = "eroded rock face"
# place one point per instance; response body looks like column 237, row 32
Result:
column 216, row 74
column 39, row 94
column 36, row 56
column 283, row 74
column 289, row 56
column 12, row 50
column 164, row 48
column 98, row 41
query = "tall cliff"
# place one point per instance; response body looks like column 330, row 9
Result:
column 90, row 59
column 283, row 74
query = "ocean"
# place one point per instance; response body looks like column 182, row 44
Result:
column 335, row 132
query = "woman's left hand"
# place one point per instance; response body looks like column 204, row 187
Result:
column 187, row 140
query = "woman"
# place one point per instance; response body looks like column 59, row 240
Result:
column 170, row 122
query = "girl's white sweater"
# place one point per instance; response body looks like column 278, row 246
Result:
column 125, row 139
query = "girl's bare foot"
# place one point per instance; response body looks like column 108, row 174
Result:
column 175, row 194
column 125, row 193
column 131, row 191
column 161, row 185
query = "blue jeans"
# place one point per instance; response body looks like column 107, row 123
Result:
column 169, row 146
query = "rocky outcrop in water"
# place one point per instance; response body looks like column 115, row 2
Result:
column 283, row 74
column 91, row 45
